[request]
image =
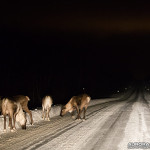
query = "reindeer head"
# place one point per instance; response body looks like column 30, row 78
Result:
column 21, row 118
column 67, row 108
column 63, row 111
column 23, row 123
column 23, row 127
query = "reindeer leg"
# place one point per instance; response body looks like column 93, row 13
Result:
column 11, row 128
column 47, row 114
column 30, row 114
column 14, row 120
column 79, row 113
column 4, row 123
column 73, row 114
column 84, row 113
column 85, row 109
column 48, row 111
column 9, row 123
column 43, row 113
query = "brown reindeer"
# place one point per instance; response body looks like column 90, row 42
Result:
column 46, row 106
column 77, row 103
column 14, row 111
column 23, row 100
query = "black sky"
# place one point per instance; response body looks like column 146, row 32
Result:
column 60, row 47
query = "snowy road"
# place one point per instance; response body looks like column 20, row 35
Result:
column 109, row 126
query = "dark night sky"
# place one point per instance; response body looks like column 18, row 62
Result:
column 60, row 47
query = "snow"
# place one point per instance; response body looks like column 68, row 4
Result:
column 108, row 126
column 136, row 125
column 55, row 111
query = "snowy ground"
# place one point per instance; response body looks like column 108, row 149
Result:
column 111, row 124
column 55, row 111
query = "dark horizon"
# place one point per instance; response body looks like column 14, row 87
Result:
column 48, row 49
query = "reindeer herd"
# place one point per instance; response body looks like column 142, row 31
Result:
column 14, row 108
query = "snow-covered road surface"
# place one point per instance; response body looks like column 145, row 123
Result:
column 109, row 125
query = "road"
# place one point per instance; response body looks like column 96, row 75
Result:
column 108, row 126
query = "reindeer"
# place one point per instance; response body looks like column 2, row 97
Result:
column 77, row 103
column 46, row 106
column 14, row 111
column 23, row 100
